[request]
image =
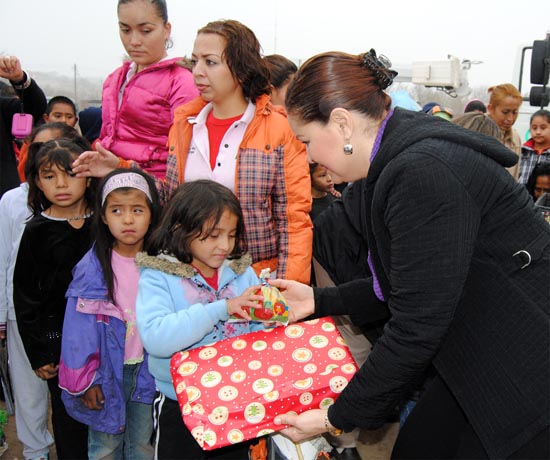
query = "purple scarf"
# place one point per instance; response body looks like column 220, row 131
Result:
column 375, row 148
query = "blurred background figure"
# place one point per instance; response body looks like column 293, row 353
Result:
column 281, row 70
column 537, row 148
column 35, row 104
column 403, row 99
column 475, row 105
column 89, row 121
column 441, row 112
column 503, row 108
column 477, row 121
column 60, row 109
column 539, row 181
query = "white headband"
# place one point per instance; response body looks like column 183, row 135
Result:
column 125, row 180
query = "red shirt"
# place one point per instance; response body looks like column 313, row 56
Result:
column 216, row 130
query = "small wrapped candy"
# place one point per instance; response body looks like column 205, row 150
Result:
column 274, row 308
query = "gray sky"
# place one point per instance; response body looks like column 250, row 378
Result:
column 54, row 35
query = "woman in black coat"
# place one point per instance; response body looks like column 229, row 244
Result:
column 457, row 252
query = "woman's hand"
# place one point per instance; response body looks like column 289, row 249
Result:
column 46, row 372
column 95, row 163
column 298, row 296
column 93, row 399
column 248, row 298
column 303, row 426
column 10, row 68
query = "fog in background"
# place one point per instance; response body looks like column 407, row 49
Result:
column 70, row 46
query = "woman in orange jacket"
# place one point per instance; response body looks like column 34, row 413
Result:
column 232, row 134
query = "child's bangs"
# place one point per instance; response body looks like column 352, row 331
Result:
column 61, row 158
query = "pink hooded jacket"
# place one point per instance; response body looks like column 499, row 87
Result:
column 137, row 128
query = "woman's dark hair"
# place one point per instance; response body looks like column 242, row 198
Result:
column 193, row 211
column 281, row 69
column 542, row 169
column 162, row 12
column 475, row 105
column 541, row 113
column 243, row 56
column 335, row 79
column 64, row 131
column 104, row 240
column 160, row 6
column 58, row 152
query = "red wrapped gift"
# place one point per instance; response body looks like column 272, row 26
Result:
column 230, row 391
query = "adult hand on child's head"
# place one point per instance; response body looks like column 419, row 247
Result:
column 46, row 372
column 95, row 163
column 248, row 298
column 298, row 296
column 10, row 68
column 93, row 399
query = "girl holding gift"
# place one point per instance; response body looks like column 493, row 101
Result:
column 194, row 275
column 103, row 369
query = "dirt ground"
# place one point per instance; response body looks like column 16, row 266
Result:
column 15, row 451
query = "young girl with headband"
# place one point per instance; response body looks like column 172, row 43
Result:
column 103, row 370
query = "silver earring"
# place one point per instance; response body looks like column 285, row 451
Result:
column 348, row 148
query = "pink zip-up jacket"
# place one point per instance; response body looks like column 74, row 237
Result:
column 137, row 128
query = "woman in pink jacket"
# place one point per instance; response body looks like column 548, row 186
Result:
column 139, row 97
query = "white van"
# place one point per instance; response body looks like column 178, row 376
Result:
column 522, row 77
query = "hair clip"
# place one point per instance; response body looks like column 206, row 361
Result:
column 380, row 66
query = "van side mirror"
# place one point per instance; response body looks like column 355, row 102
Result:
column 540, row 62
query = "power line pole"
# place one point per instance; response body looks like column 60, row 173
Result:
column 75, row 90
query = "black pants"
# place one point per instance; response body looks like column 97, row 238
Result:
column 173, row 441
column 71, row 437
column 438, row 429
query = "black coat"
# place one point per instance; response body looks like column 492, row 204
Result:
column 444, row 219
column 48, row 251
column 34, row 103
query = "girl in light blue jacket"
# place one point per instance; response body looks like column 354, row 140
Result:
column 194, row 275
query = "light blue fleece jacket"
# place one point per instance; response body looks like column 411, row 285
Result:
column 177, row 310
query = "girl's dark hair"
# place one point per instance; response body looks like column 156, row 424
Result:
column 160, row 6
column 243, row 56
column 541, row 113
column 58, row 152
column 64, row 131
column 193, row 211
column 281, row 69
column 335, row 79
column 542, row 169
column 104, row 240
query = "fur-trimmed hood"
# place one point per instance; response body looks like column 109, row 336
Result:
column 169, row 264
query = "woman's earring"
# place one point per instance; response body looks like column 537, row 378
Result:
column 348, row 148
